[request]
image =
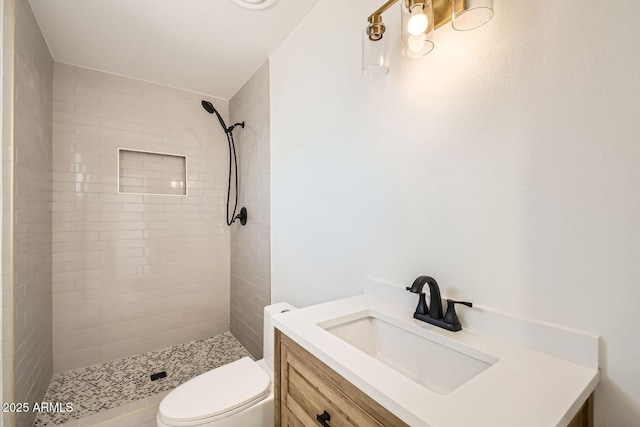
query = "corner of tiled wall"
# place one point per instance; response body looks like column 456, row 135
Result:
column 251, row 244
column 5, row 98
column 29, row 208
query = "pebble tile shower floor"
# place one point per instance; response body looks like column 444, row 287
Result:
column 111, row 384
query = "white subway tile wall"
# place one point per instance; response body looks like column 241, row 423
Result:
column 251, row 244
column 6, row 99
column 152, row 173
column 132, row 272
column 32, row 334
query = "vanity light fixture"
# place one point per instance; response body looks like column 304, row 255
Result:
column 419, row 19
column 254, row 4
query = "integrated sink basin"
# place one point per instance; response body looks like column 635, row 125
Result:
column 438, row 364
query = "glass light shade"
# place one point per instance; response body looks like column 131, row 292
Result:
column 470, row 14
column 255, row 4
column 375, row 56
column 417, row 29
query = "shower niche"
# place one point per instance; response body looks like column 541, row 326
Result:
column 146, row 172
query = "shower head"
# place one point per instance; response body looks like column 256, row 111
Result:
column 208, row 106
column 211, row 110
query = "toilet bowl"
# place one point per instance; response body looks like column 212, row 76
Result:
column 238, row 394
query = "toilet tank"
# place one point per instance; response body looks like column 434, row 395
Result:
column 269, row 311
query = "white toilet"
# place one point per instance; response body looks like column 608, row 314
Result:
column 239, row 394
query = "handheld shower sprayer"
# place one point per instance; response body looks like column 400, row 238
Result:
column 233, row 161
column 208, row 106
column 211, row 110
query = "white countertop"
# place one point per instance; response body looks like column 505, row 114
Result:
column 525, row 388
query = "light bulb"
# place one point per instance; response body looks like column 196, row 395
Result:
column 418, row 22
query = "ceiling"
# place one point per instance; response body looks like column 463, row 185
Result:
column 208, row 46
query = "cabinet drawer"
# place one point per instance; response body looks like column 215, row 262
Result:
column 306, row 388
column 308, row 395
column 290, row 420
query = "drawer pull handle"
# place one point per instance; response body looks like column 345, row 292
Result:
column 322, row 419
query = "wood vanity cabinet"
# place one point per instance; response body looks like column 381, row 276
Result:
column 307, row 390
column 584, row 417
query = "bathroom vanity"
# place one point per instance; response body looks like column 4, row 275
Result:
column 306, row 388
column 364, row 361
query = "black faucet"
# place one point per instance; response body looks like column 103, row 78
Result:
column 433, row 313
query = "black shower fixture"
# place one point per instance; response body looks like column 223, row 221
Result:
column 233, row 164
column 211, row 110
column 242, row 216
column 208, row 106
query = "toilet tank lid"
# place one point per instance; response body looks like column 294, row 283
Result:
column 216, row 392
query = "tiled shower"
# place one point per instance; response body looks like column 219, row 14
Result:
column 95, row 270
column 134, row 272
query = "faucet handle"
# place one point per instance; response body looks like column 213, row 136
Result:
column 451, row 317
column 417, row 285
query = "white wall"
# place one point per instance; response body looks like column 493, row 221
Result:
column 506, row 164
